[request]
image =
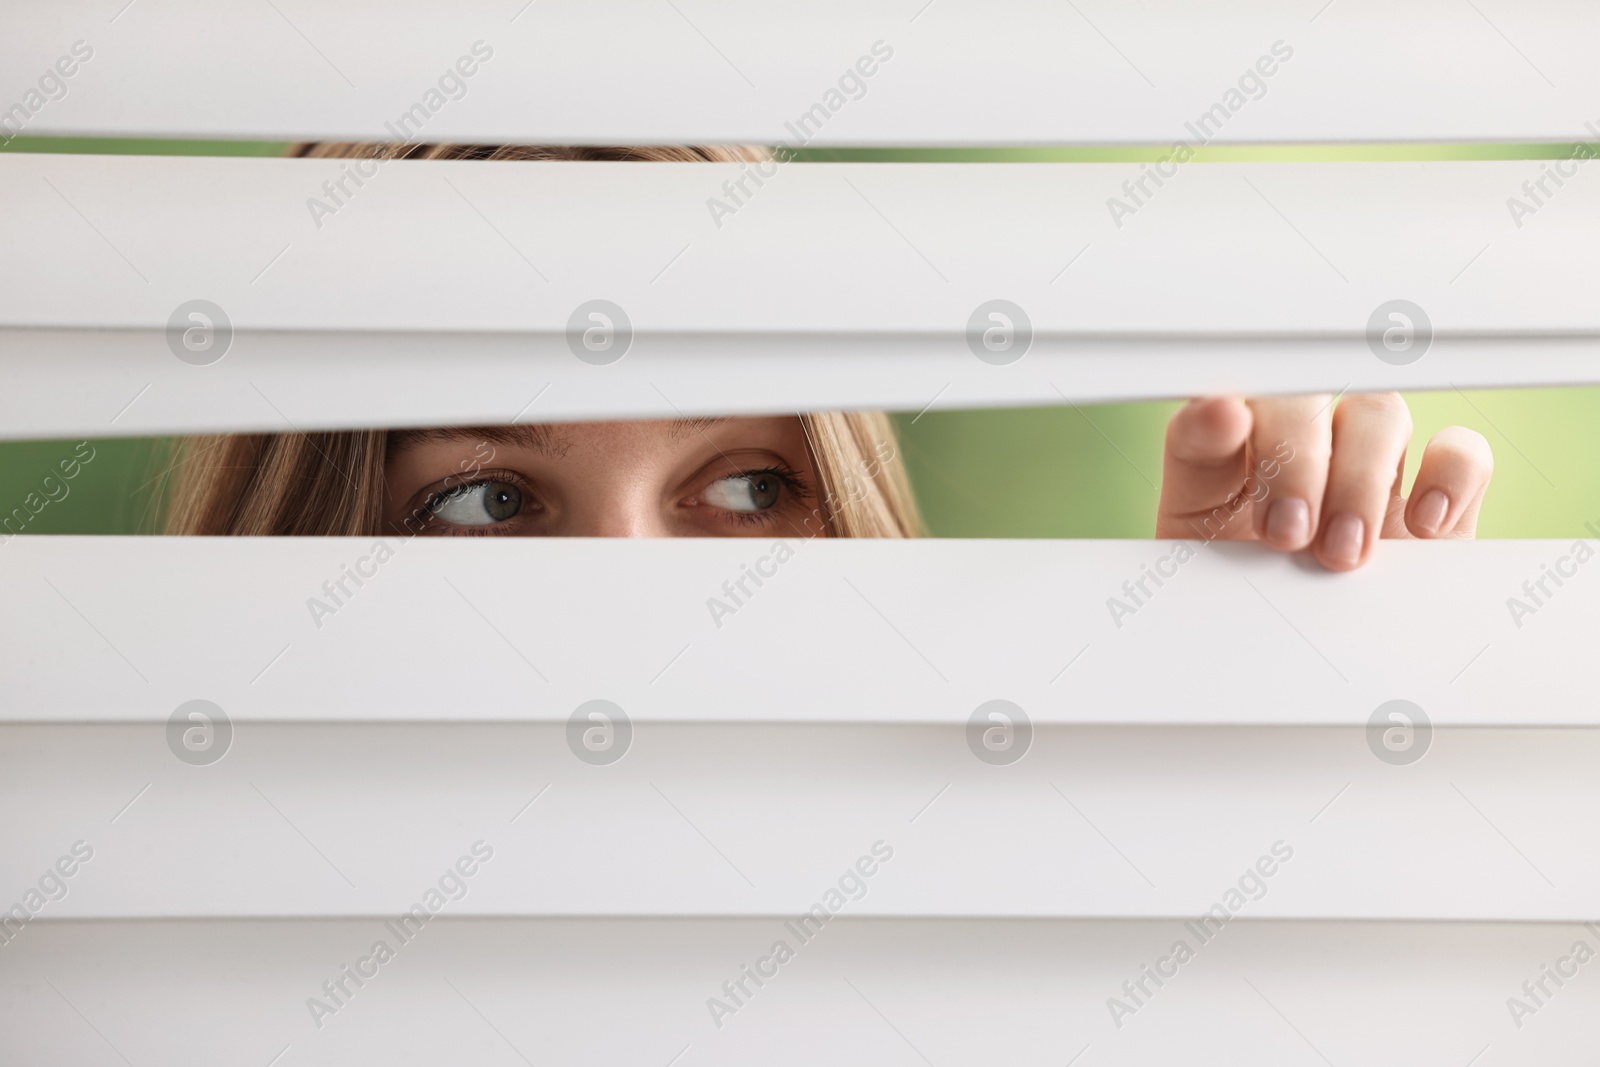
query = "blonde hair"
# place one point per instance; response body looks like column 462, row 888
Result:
column 331, row 483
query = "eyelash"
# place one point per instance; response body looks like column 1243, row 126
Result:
column 792, row 485
column 426, row 510
column 795, row 490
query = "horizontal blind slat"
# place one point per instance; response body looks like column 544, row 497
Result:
column 850, row 285
column 837, row 73
column 127, row 628
column 963, row 992
column 745, row 819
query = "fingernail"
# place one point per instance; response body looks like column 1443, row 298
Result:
column 1342, row 545
column 1429, row 512
column 1289, row 522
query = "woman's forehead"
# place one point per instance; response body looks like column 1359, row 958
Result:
column 556, row 438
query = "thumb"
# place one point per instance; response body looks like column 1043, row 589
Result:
column 1207, row 459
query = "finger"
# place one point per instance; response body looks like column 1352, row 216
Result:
column 1451, row 480
column 1290, row 446
column 1204, row 469
column 1370, row 434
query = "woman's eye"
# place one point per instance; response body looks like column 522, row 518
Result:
column 756, row 491
column 478, row 505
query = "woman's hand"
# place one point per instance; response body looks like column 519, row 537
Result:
column 1300, row 471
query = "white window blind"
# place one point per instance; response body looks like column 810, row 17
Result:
column 1049, row 625
column 576, row 804
column 835, row 286
column 835, row 73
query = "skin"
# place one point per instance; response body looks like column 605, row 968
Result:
column 1341, row 490
column 668, row 478
column 1292, row 472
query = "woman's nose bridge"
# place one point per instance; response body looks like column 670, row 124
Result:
column 624, row 511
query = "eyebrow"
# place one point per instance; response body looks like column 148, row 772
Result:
column 535, row 437
column 682, row 428
column 541, row 438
